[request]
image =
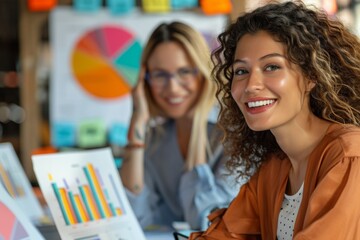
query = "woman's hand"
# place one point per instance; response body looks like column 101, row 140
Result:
column 141, row 114
column 132, row 169
column 140, row 105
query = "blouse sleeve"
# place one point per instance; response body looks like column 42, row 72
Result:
column 225, row 222
column 204, row 189
column 334, row 210
column 145, row 204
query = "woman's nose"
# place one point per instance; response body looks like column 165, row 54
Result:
column 255, row 82
column 174, row 82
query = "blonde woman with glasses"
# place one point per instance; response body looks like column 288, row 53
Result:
column 174, row 166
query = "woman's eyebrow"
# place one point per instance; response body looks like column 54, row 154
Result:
column 272, row 55
column 261, row 58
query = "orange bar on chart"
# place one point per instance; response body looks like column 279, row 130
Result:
column 83, row 214
column 118, row 211
column 99, row 192
column 68, row 208
column 211, row 7
column 91, row 202
column 7, row 182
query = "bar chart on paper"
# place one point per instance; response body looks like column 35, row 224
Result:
column 11, row 184
column 90, row 200
column 85, row 195
column 15, row 182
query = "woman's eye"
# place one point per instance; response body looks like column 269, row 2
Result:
column 272, row 68
column 184, row 71
column 240, row 72
column 159, row 74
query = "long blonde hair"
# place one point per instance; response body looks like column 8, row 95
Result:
column 197, row 49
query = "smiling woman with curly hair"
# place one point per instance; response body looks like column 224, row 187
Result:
column 288, row 80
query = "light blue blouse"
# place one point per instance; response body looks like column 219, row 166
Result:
column 173, row 194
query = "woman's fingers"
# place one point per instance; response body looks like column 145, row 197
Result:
column 140, row 106
column 141, row 78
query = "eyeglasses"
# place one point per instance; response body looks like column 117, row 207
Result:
column 183, row 76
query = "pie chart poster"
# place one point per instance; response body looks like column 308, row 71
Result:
column 96, row 58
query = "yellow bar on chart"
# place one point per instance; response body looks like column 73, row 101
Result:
column 91, row 203
column 79, row 206
column 99, row 192
column 69, row 212
column 7, row 182
column 118, row 211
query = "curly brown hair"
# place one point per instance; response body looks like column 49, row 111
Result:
column 325, row 51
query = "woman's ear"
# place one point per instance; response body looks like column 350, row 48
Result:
column 310, row 85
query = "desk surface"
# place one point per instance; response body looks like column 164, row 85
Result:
column 159, row 235
column 50, row 233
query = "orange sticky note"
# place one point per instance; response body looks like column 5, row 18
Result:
column 211, row 7
column 41, row 5
column 156, row 5
column 44, row 150
column 330, row 6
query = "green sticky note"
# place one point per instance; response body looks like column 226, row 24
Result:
column 92, row 133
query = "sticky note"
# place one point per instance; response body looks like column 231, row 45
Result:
column 330, row 6
column 63, row 135
column 211, row 7
column 119, row 7
column 118, row 162
column 181, row 4
column 41, row 5
column 156, row 5
column 91, row 133
column 44, row 150
column 87, row 5
column 118, row 134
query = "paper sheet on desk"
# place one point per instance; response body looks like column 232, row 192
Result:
column 85, row 195
column 15, row 181
column 14, row 223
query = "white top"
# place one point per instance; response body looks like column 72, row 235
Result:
column 287, row 215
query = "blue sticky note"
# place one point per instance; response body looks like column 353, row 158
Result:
column 63, row 135
column 91, row 133
column 87, row 5
column 118, row 134
column 119, row 7
column 118, row 162
column 181, row 4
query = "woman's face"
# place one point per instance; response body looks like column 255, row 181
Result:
column 174, row 82
column 269, row 90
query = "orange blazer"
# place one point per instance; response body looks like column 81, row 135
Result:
column 330, row 207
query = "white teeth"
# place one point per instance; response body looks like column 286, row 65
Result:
column 260, row 103
column 176, row 100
